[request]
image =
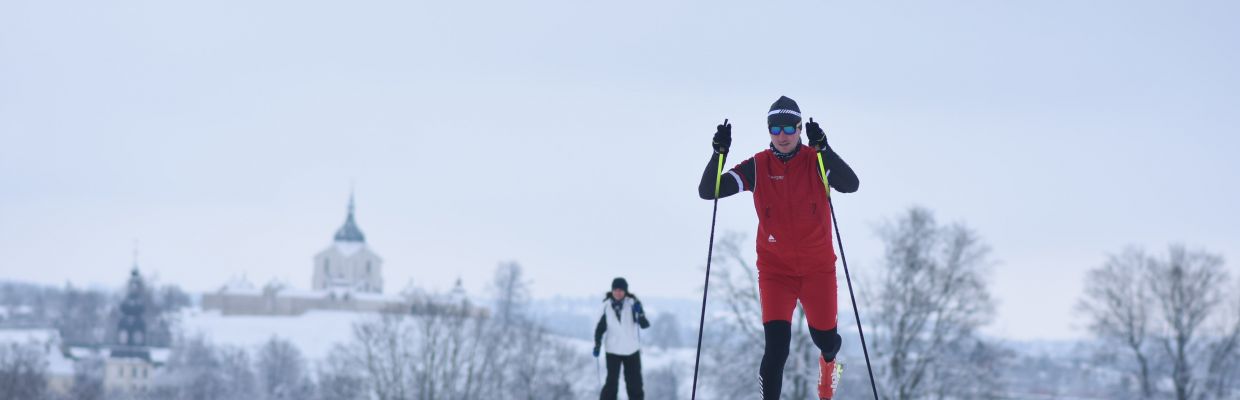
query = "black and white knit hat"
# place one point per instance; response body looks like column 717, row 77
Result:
column 784, row 112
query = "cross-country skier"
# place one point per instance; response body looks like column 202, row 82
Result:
column 622, row 316
column 796, row 258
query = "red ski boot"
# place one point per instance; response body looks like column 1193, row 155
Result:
column 828, row 378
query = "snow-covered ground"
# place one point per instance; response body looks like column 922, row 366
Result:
column 27, row 336
column 47, row 341
column 314, row 333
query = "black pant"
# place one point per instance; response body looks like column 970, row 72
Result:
column 632, row 376
column 778, row 339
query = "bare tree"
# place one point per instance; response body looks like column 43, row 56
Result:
column 192, row 372
column 1223, row 369
column 538, row 366
column 930, row 302
column 448, row 366
column 664, row 383
column 163, row 304
column 338, row 379
column 736, row 284
column 238, row 373
column 1171, row 315
column 511, row 291
column 198, row 370
column 1187, row 289
column 282, row 371
column 1117, row 302
column 450, row 352
column 23, row 372
column 665, row 331
column 383, row 350
column 81, row 316
column 526, row 361
column 733, row 341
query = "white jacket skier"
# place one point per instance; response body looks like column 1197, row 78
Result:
column 620, row 322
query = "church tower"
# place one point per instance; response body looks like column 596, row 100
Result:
column 348, row 263
column 130, row 340
column 128, row 367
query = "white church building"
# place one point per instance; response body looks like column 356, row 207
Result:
column 347, row 276
column 348, row 263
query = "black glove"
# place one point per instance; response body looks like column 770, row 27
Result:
column 596, row 349
column 723, row 138
column 817, row 138
column 639, row 315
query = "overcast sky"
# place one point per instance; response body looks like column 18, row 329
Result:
column 570, row 136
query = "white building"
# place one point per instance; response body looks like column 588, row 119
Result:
column 127, row 374
column 348, row 263
column 347, row 276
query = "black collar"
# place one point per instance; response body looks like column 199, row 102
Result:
column 786, row 156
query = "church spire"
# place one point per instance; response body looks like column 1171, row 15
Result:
column 135, row 255
column 350, row 202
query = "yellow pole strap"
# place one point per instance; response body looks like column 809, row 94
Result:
column 822, row 171
column 719, row 175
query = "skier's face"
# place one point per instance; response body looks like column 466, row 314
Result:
column 617, row 294
column 785, row 142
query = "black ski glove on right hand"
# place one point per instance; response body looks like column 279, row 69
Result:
column 596, row 350
column 723, row 138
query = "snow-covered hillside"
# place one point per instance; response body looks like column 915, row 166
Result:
column 314, row 333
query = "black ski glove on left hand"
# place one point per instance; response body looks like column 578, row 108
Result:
column 817, row 138
column 723, row 138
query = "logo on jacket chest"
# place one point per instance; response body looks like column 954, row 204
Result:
column 776, row 177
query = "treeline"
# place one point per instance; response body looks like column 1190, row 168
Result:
column 87, row 316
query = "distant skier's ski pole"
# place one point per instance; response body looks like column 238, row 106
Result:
column 822, row 170
column 598, row 372
column 710, row 250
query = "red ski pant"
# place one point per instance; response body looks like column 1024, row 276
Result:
column 780, row 288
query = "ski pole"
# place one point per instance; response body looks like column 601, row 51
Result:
column 822, row 170
column 598, row 372
column 710, row 250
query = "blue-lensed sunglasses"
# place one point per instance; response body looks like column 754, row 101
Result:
column 787, row 130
